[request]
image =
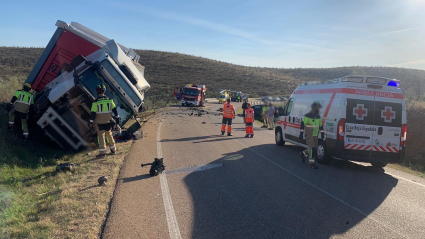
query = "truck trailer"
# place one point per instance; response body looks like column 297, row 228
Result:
column 75, row 61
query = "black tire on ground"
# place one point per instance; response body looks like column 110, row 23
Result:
column 379, row 164
column 182, row 104
column 279, row 137
column 322, row 153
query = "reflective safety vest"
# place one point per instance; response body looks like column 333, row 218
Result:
column 23, row 101
column 228, row 110
column 103, row 107
column 265, row 109
column 315, row 123
column 249, row 114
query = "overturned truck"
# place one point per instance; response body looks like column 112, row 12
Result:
column 65, row 77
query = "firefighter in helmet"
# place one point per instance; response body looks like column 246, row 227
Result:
column 20, row 105
column 101, row 114
column 228, row 115
column 311, row 126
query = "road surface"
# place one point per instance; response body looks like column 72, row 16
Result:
column 233, row 187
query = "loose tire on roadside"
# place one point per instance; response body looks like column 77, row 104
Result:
column 279, row 137
column 322, row 153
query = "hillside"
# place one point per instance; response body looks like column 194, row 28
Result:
column 164, row 70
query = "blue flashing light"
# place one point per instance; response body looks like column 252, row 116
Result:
column 393, row 83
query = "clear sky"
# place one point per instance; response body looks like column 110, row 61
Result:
column 272, row 33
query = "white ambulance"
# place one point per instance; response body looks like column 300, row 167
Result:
column 364, row 118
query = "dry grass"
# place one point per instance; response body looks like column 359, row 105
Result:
column 37, row 202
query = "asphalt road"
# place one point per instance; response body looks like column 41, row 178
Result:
column 233, row 187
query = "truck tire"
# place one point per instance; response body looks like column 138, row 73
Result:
column 279, row 137
column 183, row 104
column 322, row 153
column 379, row 164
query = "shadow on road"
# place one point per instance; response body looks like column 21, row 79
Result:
column 250, row 197
column 135, row 178
column 192, row 138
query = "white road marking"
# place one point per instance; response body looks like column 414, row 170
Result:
column 405, row 179
column 322, row 190
column 366, row 215
column 395, row 176
column 173, row 226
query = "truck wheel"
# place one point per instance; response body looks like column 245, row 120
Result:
column 279, row 137
column 182, row 104
column 379, row 164
column 322, row 153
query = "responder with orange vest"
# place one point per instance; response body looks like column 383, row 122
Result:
column 21, row 102
column 249, row 120
column 101, row 114
column 228, row 115
column 311, row 126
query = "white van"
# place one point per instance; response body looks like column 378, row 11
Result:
column 364, row 118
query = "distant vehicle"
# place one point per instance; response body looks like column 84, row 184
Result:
column 236, row 96
column 224, row 95
column 191, row 95
column 267, row 99
column 282, row 98
column 364, row 119
column 258, row 111
column 276, row 99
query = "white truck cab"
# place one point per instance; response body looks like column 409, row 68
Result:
column 364, row 119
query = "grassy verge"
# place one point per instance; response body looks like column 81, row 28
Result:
column 37, row 202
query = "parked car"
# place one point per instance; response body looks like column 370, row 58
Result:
column 258, row 109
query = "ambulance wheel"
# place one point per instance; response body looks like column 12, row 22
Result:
column 322, row 154
column 379, row 164
column 279, row 137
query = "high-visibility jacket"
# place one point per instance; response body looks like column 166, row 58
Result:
column 24, row 99
column 228, row 110
column 265, row 109
column 312, row 121
column 249, row 114
column 103, row 107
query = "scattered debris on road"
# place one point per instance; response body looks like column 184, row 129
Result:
column 102, row 180
column 157, row 166
column 65, row 167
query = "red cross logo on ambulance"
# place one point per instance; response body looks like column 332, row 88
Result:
column 388, row 114
column 360, row 112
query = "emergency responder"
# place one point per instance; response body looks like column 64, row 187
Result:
column 20, row 104
column 264, row 110
column 270, row 116
column 249, row 120
column 311, row 126
column 101, row 114
column 244, row 107
column 228, row 114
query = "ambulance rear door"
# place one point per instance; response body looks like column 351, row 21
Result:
column 387, row 121
column 359, row 124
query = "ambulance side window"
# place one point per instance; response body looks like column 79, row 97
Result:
column 288, row 107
